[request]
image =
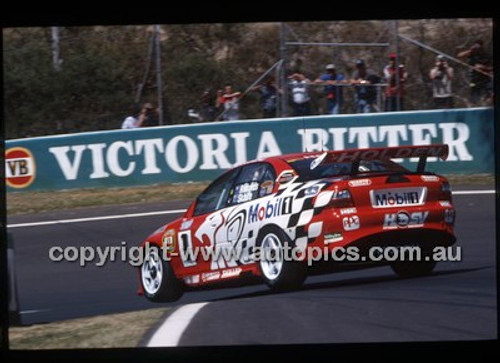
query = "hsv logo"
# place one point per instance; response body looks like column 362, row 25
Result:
column 403, row 219
column 19, row 167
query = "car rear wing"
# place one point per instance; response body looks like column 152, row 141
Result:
column 384, row 153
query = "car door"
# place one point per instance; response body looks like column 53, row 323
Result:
column 220, row 216
column 202, row 230
column 255, row 182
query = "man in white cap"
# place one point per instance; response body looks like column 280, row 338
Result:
column 332, row 92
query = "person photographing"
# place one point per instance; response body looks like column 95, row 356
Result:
column 441, row 76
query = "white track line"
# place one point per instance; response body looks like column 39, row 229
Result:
column 172, row 211
column 170, row 332
column 473, row 192
column 32, row 311
column 92, row 219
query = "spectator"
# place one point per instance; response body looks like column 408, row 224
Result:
column 332, row 92
column 229, row 101
column 394, row 93
column 299, row 85
column 132, row 121
column 365, row 95
column 148, row 116
column 208, row 111
column 441, row 76
column 268, row 93
column 480, row 84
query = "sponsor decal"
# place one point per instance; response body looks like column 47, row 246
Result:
column 244, row 192
column 266, row 188
column 189, row 156
column 351, row 223
column 359, row 182
column 218, row 275
column 429, row 178
column 403, row 219
column 247, row 187
column 210, row 276
column 388, row 153
column 333, row 237
column 242, row 197
column 186, row 224
column 345, row 211
column 273, row 208
column 168, row 240
column 445, row 203
column 401, row 197
column 20, row 169
column 232, row 272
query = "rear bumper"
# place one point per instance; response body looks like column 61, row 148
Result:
column 425, row 239
column 369, row 250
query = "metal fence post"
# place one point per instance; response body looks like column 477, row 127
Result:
column 14, row 316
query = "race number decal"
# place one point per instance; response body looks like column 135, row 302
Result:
column 186, row 249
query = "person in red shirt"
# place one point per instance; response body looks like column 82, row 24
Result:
column 229, row 101
column 394, row 93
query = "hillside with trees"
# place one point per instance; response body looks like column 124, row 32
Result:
column 103, row 70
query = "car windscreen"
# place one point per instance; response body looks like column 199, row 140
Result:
column 307, row 170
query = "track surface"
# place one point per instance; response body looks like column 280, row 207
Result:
column 457, row 302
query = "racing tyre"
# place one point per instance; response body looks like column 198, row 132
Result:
column 413, row 269
column 278, row 274
column 158, row 280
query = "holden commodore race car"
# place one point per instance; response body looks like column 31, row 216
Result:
column 304, row 204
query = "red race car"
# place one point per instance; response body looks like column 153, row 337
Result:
column 279, row 218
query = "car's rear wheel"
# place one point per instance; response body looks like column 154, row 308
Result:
column 277, row 272
column 158, row 280
column 413, row 268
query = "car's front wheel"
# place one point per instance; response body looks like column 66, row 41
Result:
column 278, row 272
column 158, row 280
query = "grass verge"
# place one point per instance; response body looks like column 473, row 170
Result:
column 36, row 202
column 123, row 330
column 484, row 180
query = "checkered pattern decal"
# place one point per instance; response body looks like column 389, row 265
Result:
column 291, row 208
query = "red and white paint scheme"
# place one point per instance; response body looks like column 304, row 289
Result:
column 325, row 200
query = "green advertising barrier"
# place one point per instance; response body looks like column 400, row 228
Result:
column 198, row 152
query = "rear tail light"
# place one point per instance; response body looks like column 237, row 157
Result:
column 445, row 192
column 342, row 199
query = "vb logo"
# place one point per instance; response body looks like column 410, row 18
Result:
column 20, row 167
